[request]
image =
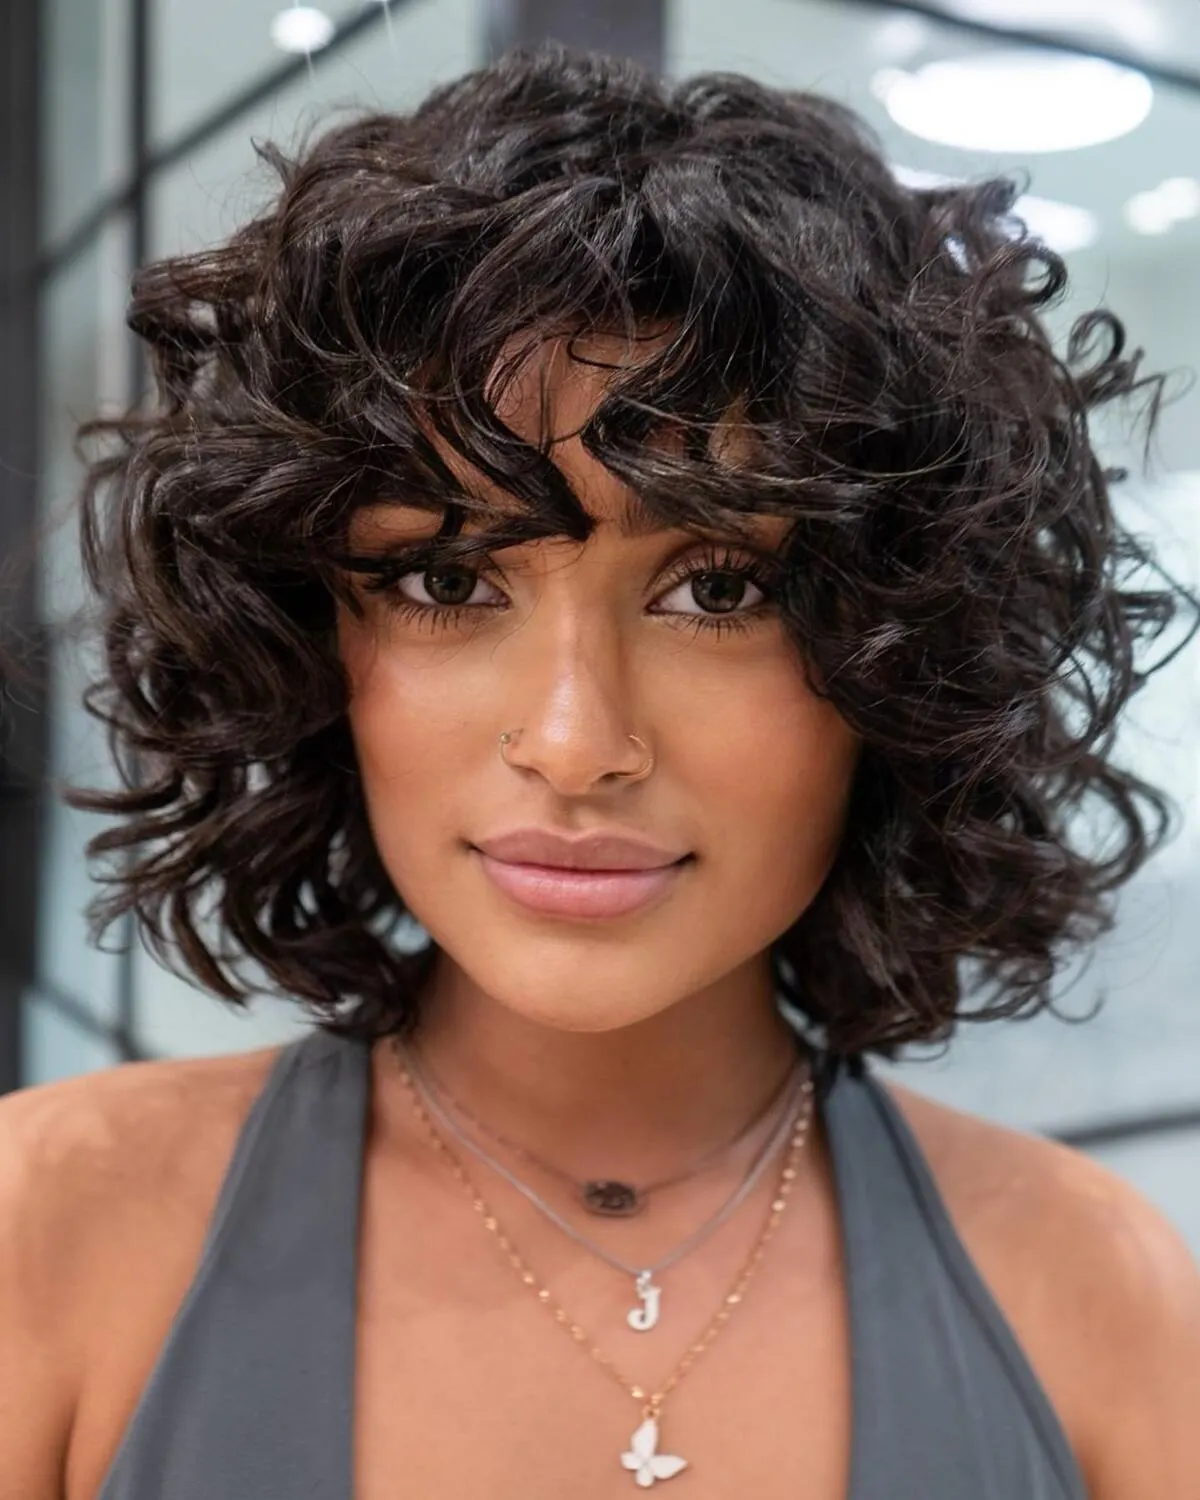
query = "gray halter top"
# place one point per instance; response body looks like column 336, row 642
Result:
column 252, row 1396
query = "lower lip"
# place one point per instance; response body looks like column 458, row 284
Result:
column 556, row 892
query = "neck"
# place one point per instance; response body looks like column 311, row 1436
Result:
column 632, row 1102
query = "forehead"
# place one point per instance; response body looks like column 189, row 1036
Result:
column 546, row 389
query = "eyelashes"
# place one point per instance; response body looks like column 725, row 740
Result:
column 385, row 576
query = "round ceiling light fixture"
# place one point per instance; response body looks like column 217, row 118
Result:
column 1158, row 210
column 1064, row 227
column 1020, row 101
column 901, row 36
column 301, row 28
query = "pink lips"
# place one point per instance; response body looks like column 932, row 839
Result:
column 597, row 875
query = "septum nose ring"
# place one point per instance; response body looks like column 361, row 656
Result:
column 509, row 737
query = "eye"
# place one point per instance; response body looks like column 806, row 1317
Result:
column 446, row 587
column 713, row 591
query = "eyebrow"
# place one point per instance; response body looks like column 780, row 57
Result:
column 635, row 522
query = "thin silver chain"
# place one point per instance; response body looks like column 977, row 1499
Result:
column 438, row 1089
column 757, row 1167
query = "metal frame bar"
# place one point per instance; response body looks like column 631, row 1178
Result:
column 1050, row 41
column 623, row 28
column 1092, row 1135
column 505, row 19
column 23, row 734
column 148, row 163
column 139, row 127
column 72, row 1010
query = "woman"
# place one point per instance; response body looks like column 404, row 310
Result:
column 615, row 610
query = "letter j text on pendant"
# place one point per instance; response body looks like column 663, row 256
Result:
column 644, row 1318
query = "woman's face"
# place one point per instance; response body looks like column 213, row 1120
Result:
column 572, row 647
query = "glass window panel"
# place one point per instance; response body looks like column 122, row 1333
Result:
column 1164, row 30
column 54, row 1047
column 67, row 960
column 840, row 50
column 200, row 201
column 86, row 353
column 206, row 197
column 175, row 1019
column 1143, row 1050
column 1166, row 1168
column 1139, row 1053
column 85, row 111
column 206, row 54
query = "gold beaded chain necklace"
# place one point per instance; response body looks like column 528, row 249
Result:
column 642, row 1459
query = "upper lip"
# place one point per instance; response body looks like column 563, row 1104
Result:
column 589, row 851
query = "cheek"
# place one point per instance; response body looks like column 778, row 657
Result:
column 407, row 718
column 407, row 708
column 776, row 777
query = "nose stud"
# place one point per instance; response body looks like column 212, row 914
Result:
column 509, row 737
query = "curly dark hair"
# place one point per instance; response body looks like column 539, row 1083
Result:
column 953, row 573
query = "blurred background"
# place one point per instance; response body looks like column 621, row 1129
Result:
column 127, row 134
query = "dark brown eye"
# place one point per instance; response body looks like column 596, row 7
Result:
column 449, row 586
column 719, row 593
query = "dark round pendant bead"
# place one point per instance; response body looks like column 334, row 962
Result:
column 614, row 1200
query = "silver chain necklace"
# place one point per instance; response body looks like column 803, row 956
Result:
column 646, row 1315
column 609, row 1197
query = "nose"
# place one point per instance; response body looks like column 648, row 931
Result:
column 571, row 719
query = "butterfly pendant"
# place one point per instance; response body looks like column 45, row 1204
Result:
column 642, row 1459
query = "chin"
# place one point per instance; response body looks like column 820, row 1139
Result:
column 585, row 994
column 580, row 1021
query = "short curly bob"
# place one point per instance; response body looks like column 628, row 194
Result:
column 953, row 572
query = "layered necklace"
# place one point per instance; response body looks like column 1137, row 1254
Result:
column 642, row 1458
column 606, row 1197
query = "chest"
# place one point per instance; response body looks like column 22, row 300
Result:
column 467, row 1385
column 463, row 1385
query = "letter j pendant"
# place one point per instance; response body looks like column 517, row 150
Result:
column 644, row 1318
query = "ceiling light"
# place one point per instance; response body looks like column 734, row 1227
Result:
column 1181, row 197
column 301, row 28
column 1146, row 213
column 1018, row 101
column 901, row 36
column 1159, row 209
column 916, row 177
column 1064, row 227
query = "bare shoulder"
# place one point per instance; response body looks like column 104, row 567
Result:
column 1099, row 1287
column 77, row 1155
column 1015, row 1192
column 104, row 1181
column 81, row 1145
